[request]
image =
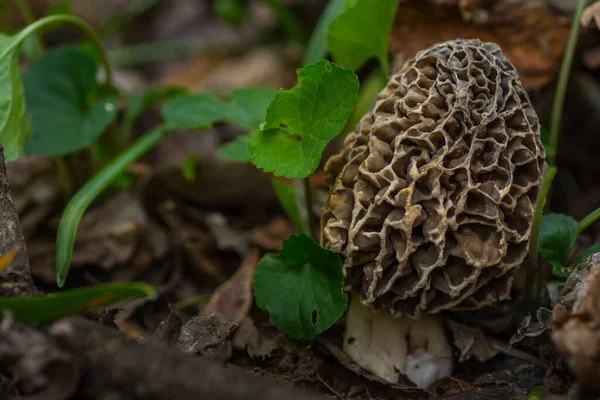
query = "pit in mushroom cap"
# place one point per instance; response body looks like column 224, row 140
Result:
column 434, row 193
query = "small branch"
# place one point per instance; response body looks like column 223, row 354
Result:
column 99, row 362
column 512, row 352
column 58, row 19
column 15, row 279
column 29, row 18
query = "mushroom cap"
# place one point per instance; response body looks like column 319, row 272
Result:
column 433, row 196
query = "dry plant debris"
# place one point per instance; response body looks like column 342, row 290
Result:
column 434, row 193
column 576, row 320
column 532, row 37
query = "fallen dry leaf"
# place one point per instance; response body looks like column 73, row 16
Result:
column 258, row 67
column 577, row 323
column 470, row 342
column 591, row 13
column 110, row 235
column 271, row 236
column 262, row 342
column 533, row 332
column 532, row 37
column 232, row 300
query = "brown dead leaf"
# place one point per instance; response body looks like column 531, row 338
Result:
column 271, row 236
column 258, row 67
column 591, row 13
column 108, row 236
column 232, row 300
column 41, row 367
column 262, row 342
column 577, row 323
column 195, row 243
column 532, row 37
column 471, row 342
column 533, row 332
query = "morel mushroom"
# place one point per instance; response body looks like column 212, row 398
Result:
column 434, row 193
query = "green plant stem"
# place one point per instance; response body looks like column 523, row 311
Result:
column 535, row 274
column 74, row 210
column 29, row 19
column 288, row 21
column 563, row 80
column 588, row 220
column 161, row 50
column 191, row 302
column 385, row 68
column 25, row 11
column 57, row 19
column 308, row 204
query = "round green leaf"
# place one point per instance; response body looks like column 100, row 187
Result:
column 14, row 127
column 58, row 90
column 301, row 287
column 557, row 236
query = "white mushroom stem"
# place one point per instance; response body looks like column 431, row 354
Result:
column 389, row 347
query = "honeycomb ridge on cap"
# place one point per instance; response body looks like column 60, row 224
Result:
column 433, row 196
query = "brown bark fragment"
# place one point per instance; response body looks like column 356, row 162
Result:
column 15, row 279
column 101, row 363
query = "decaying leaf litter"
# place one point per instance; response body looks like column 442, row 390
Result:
column 196, row 233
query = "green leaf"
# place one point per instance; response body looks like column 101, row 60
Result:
column 301, row 121
column 557, row 236
column 14, row 127
column 233, row 12
column 593, row 249
column 301, row 287
column 60, row 91
column 362, row 32
column 139, row 102
column 317, row 46
column 367, row 96
column 69, row 220
column 545, row 137
column 289, row 201
column 53, row 306
column 236, row 150
column 243, row 107
column 537, row 393
column 61, row 7
column 188, row 168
